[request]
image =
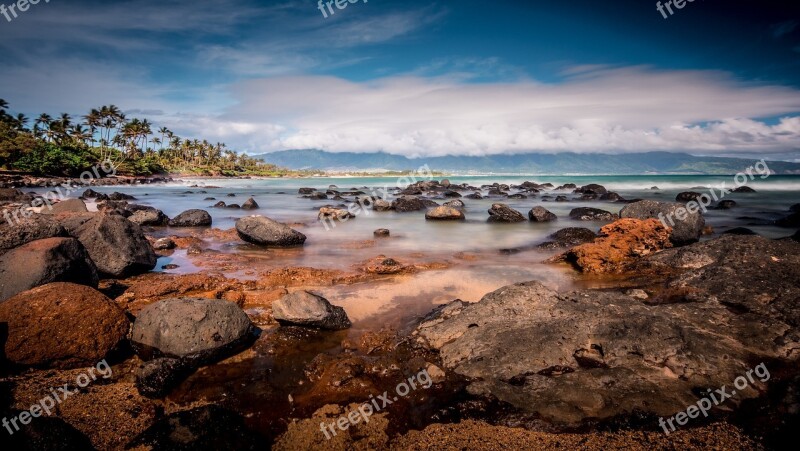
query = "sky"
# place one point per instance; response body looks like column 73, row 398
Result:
column 419, row 78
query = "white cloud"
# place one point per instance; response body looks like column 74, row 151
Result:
column 598, row 110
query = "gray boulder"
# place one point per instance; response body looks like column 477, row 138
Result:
column 504, row 213
column 199, row 331
column 266, row 232
column 149, row 217
column 303, row 308
column 117, row 246
column 45, row 261
column 684, row 231
column 541, row 214
column 191, row 218
column 66, row 206
column 250, row 204
column 37, row 227
column 591, row 214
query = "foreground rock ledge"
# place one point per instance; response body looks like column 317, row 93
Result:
column 569, row 357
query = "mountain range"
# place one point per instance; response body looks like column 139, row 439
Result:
column 532, row 163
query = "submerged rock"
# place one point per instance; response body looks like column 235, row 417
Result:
column 266, row 232
column 571, row 236
column 591, row 214
column 503, row 213
column 444, row 213
column 726, row 205
column 541, row 214
column 303, row 308
column 191, row 218
column 381, row 233
column 407, row 204
column 45, row 261
column 381, row 205
column 336, row 214
column 61, row 325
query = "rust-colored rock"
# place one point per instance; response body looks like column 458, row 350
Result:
column 61, row 325
column 620, row 244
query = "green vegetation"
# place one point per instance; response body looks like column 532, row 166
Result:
column 62, row 146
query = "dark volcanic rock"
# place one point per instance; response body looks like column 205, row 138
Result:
column 476, row 196
column 406, row 204
column 541, row 214
column 725, row 205
column 191, row 218
column 381, row 233
column 743, row 189
column 551, row 355
column 157, row 377
column 266, row 232
column 116, row 246
column 61, row 325
column 303, row 308
column 45, row 261
column 120, row 196
column 793, row 220
column 200, row 331
column 688, row 196
column 203, row 428
column 591, row 214
column 611, row 197
column 592, row 189
column 219, row 204
column 571, row 236
column 739, row 231
column 67, row 206
column 37, row 227
column 504, row 213
column 89, row 194
column 686, row 230
column 250, row 204
column 567, row 186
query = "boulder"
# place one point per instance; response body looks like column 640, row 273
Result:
column 475, row 195
column 199, row 331
column 149, row 217
column 303, row 308
column 67, row 206
column 743, row 189
column 303, row 191
column 504, row 213
column 250, row 204
column 611, row 197
column 220, row 204
column 120, row 196
column 725, row 205
column 191, row 218
column 381, row 205
column 89, row 194
column 591, row 214
column 162, row 244
column 407, row 204
column 335, row 214
column 620, row 244
column 266, row 232
column 14, row 195
column 381, row 233
column 45, row 261
column 684, row 231
column 571, row 236
column 541, row 214
column 456, row 203
column 567, row 186
column 61, row 325
column 444, row 213
column 34, row 228
column 592, row 188
column 739, row 231
column 562, row 199
column 117, row 246
column 688, row 196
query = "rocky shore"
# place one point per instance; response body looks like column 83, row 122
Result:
column 205, row 360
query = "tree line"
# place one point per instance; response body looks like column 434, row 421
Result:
column 64, row 145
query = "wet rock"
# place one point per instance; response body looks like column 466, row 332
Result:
column 504, row 213
column 742, row 189
column 451, row 194
column 303, row 308
column 316, row 195
column 591, row 214
column 335, row 214
column 14, row 195
column 220, row 204
column 381, row 233
column 726, row 205
column 571, row 236
column 476, row 196
column 456, row 203
column 67, row 206
column 739, row 231
column 230, row 195
column 562, row 199
column 89, row 194
column 157, row 377
column 541, row 214
column 233, row 206
column 381, row 205
column 116, row 246
column 518, row 196
column 620, row 245
column 592, row 188
column 120, row 196
column 208, row 427
column 568, row 186
column 685, row 229
column 34, row 228
column 611, row 197
column 45, row 261
column 304, row 191
column 688, row 196
column 266, row 232
column 407, row 204
column 250, row 204
column 429, row 203
column 199, row 331
column 61, row 325
column 444, row 213
column 162, row 244
column 149, row 217
column 191, row 218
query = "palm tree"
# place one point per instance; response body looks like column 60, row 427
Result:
column 43, row 119
column 21, row 120
column 3, row 104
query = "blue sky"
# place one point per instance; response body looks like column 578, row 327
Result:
column 423, row 78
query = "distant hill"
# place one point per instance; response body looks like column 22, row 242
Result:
column 534, row 163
